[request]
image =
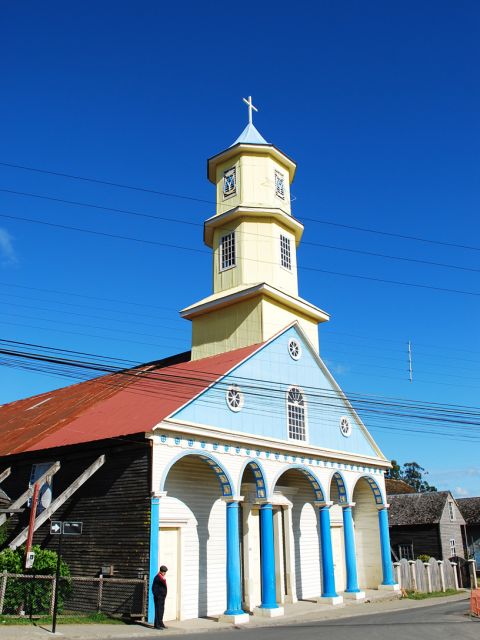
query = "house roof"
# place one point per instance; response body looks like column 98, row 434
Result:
column 119, row 404
column 470, row 509
column 416, row 508
column 394, row 486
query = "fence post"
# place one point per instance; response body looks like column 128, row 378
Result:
column 100, row 593
column 473, row 574
column 54, row 589
column 442, row 575
column 413, row 573
column 429, row 577
column 455, row 574
column 3, row 589
column 398, row 573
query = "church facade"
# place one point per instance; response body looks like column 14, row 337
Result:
column 240, row 465
column 266, row 476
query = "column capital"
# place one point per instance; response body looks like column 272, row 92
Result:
column 383, row 507
column 228, row 499
column 347, row 505
column 158, row 495
column 323, row 504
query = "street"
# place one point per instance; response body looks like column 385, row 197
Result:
column 437, row 622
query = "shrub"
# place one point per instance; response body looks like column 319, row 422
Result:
column 32, row 595
column 424, row 557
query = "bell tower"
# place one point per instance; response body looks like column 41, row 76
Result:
column 254, row 238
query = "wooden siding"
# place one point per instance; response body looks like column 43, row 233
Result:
column 367, row 537
column 425, row 539
column 114, row 506
column 451, row 529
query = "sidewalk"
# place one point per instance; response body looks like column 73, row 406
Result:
column 298, row 613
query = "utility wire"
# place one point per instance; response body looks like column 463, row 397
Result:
column 186, row 197
column 257, row 235
column 192, row 249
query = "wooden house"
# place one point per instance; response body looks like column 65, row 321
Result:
column 470, row 510
column 428, row 523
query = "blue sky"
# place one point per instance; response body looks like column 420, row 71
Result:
column 377, row 103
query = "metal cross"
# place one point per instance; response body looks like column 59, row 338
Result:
column 250, row 107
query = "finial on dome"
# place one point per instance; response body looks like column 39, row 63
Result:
column 250, row 135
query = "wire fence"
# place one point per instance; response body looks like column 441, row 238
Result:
column 33, row 595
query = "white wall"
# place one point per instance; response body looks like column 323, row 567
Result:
column 367, row 537
column 193, row 499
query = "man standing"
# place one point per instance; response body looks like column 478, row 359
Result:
column 159, row 590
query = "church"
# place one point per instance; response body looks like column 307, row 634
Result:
column 260, row 484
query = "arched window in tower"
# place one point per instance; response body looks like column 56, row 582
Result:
column 296, row 411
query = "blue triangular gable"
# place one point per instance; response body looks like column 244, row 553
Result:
column 264, row 379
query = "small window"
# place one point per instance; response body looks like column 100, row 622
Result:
column 451, row 511
column 405, row 551
column 234, row 398
column 279, row 185
column 345, row 426
column 227, row 251
column 294, row 349
column 285, row 253
column 453, row 551
column 230, row 182
column 296, row 414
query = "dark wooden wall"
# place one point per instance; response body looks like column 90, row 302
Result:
column 425, row 539
column 113, row 504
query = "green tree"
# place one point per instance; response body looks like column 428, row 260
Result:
column 395, row 473
column 414, row 475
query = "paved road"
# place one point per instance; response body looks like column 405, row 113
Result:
column 437, row 622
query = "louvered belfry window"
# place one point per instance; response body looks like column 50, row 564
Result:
column 296, row 414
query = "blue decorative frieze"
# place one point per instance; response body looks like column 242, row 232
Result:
column 237, row 449
column 203, row 444
column 190, row 443
column 163, row 438
column 177, row 440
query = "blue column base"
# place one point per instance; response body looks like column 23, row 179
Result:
column 234, row 612
column 352, row 591
column 265, row 605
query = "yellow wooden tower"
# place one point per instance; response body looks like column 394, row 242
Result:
column 254, row 238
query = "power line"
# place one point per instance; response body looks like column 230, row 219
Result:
column 183, row 248
column 196, row 224
column 194, row 199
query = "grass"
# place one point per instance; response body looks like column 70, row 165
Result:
column 415, row 595
column 93, row 618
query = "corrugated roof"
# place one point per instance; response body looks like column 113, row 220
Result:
column 470, row 509
column 119, row 404
column 416, row 508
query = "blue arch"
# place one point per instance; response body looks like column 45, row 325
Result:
column 377, row 494
column 338, row 478
column 258, row 474
column 223, row 477
column 311, row 477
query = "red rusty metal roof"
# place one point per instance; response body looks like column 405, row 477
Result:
column 115, row 405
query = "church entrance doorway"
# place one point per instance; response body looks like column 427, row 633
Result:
column 170, row 556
